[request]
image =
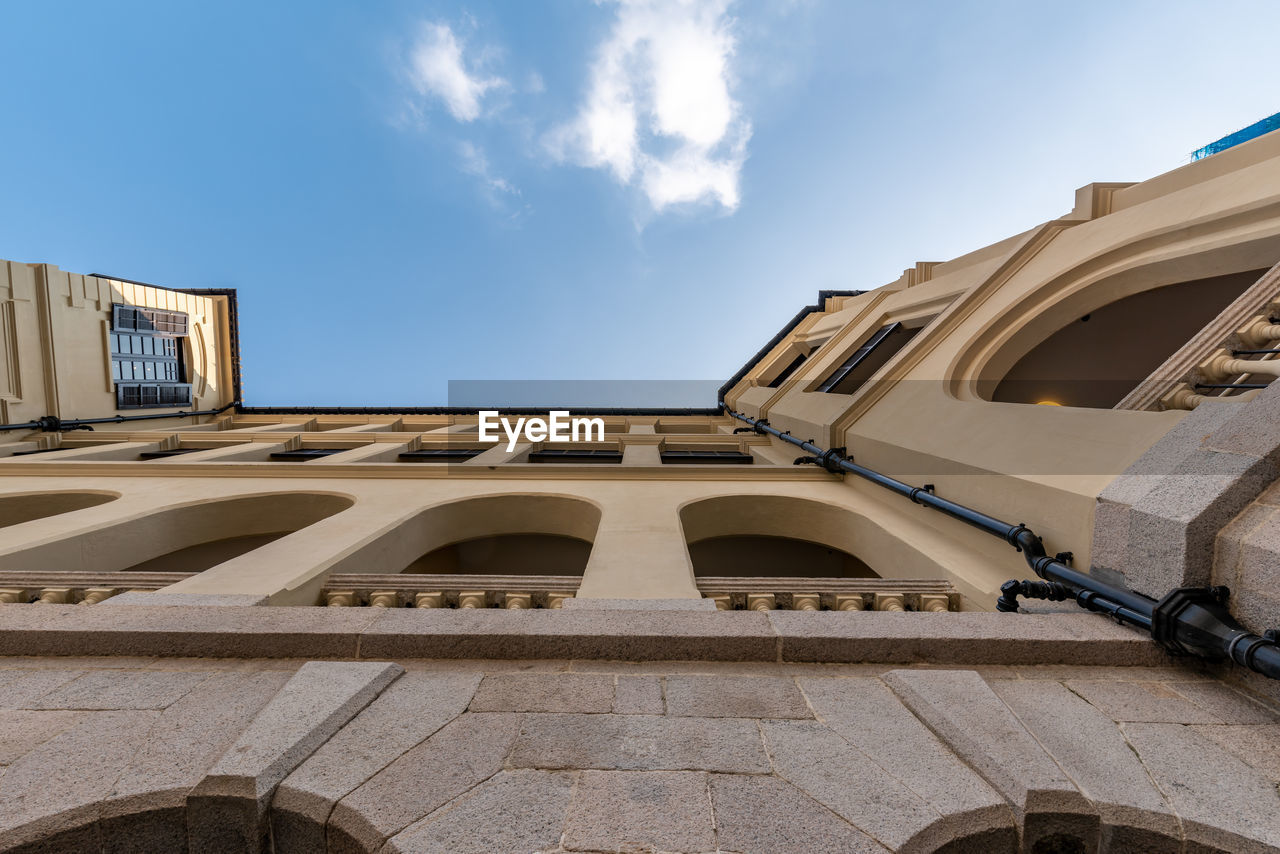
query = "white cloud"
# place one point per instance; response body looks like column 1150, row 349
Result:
column 659, row 110
column 437, row 69
column 474, row 162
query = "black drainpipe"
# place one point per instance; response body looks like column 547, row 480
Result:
column 1187, row 621
column 54, row 424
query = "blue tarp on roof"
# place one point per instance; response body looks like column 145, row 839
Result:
column 1253, row 131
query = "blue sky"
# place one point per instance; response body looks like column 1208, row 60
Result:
column 407, row 194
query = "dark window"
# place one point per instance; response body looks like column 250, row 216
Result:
column 304, row 454
column 152, row 395
column 132, row 318
column 146, row 360
column 440, row 455
column 706, row 457
column 874, row 354
column 174, row 452
column 788, row 371
column 574, row 455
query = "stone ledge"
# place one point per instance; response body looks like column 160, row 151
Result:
column 824, row 637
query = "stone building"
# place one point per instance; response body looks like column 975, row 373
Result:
column 356, row 630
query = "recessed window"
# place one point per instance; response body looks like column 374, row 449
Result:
column 302, row 455
column 440, row 455
column 706, row 457
column 873, row 354
column 172, row 452
column 575, row 455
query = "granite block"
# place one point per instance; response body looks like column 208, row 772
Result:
column 765, row 814
column 980, row 729
column 561, row 634
column 226, row 810
column 638, row 695
column 411, row 710
column 1224, row 803
column 735, row 697
column 640, row 811
column 515, row 811
column 583, row 693
column 1089, row 746
column 639, row 743
column 464, row 753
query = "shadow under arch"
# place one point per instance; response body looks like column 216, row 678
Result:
column 1173, row 257
column 816, row 539
column 186, row 538
column 515, row 534
column 29, row 506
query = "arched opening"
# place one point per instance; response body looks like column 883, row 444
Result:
column 188, row 538
column 1101, row 355
column 499, row 535
column 773, row 557
column 16, row 509
column 775, row 537
column 507, row 554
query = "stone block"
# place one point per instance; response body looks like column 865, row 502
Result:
column 568, row 634
column 971, row 638
column 1230, row 541
column 464, row 753
column 735, row 697
column 226, row 810
column 1226, row 704
column 22, row 688
column 1224, row 803
column 640, row 811
column 200, row 600
column 53, row 792
column 1153, row 702
column 1089, row 746
column 584, row 693
column 23, row 731
column 638, row 695
column 402, row 717
column 515, row 811
column 146, row 810
column 846, row 781
column 1253, row 429
column 759, row 814
column 639, row 743
column 578, row 603
column 117, row 689
column 1257, row 746
column 866, row 714
column 193, row 631
column 980, row 729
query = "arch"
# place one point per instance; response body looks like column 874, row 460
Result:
column 1096, row 359
column 188, row 537
column 1172, row 257
column 527, row 533
column 29, row 506
column 776, row 535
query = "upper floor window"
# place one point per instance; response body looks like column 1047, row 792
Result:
column 872, row 355
column 146, row 360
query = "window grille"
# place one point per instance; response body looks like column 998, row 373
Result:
column 133, row 318
column 152, row 395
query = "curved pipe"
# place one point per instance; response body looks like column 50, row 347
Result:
column 1188, row 620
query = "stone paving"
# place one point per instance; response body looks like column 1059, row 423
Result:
column 215, row 755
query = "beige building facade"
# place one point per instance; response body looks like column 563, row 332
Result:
column 691, row 635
